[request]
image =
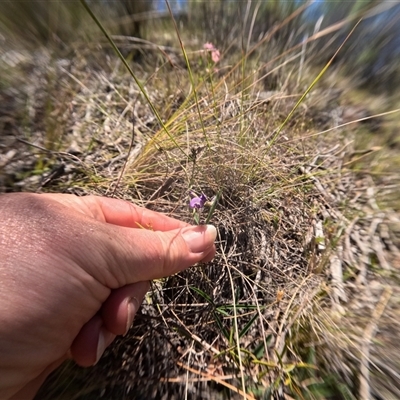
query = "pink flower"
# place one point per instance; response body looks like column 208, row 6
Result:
column 215, row 54
column 208, row 46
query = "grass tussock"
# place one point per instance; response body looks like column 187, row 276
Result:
column 295, row 303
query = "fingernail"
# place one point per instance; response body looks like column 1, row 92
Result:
column 105, row 339
column 199, row 238
column 101, row 345
column 132, row 307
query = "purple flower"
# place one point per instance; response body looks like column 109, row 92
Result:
column 198, row 202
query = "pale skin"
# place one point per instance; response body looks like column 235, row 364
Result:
column 73, row 273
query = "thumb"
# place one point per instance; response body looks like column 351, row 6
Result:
column 141, row 255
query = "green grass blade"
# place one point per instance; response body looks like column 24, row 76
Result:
column 213, row 206
column 248, row 326
column 141, row 87
column 205, row 296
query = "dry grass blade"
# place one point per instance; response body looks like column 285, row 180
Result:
column 220, row 380
column 313, row 83
column 122, row 58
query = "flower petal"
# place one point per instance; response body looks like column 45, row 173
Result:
column 195, row 203
column 198, row 202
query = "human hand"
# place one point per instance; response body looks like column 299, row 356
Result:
column 73, row 273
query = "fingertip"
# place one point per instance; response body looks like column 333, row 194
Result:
column 209, row 256
column 91, row 342
column 105, row 338
column 141, row 255
column 199, row 238
column 119, row 310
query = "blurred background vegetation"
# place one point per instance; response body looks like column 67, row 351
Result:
column 371, row 56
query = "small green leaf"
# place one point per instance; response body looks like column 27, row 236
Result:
column 289, row 367
column 222, row 311
column 259, row 350
column 196, row 217
column 205, row 296
column 248, row 326
column 221, row 326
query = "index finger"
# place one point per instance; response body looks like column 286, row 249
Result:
column 123, row 213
